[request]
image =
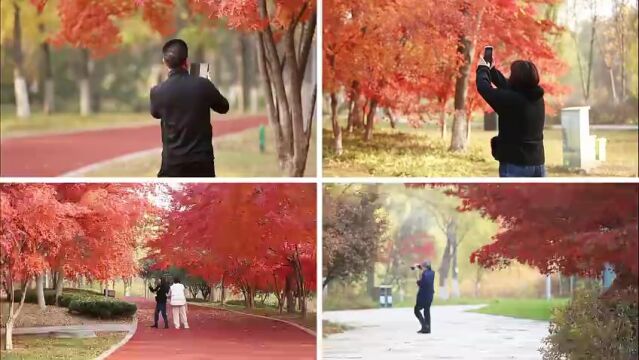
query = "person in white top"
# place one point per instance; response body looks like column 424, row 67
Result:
column 178, row 304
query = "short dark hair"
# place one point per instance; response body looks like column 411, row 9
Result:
column 175, row 53
column 523, row 74
column 176, row 280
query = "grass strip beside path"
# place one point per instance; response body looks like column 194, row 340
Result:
column 533, row 309
column 10, row 125
column 47, row 348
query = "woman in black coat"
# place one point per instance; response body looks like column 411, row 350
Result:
column 519, row 102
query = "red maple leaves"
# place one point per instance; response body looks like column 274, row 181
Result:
column 251, row 237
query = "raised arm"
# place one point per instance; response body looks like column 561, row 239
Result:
column 498, row 99
column 217, row 101
column 498, row 78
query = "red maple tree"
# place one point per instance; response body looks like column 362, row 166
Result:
column 244, row 237
column 573, row 228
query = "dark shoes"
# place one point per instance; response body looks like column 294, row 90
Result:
column 424, row 331
column 154, row 326
column 166, row 326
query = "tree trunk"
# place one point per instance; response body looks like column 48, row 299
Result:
column 290, row 298
column 459, row 134
column 23, row 109
column 455, row 272
column 391, row 118
column 283, row 79
column 59, row 285
column 48, row 101
column 12, row 316
column 442, row 122
column 355, row 118
column 443, row 272
column 84, row 84
column 349, row 118
column 370, row 280
column 244, row 70
column 613, row 89
column 337, row 129
column 40, row 291
column 370, row 120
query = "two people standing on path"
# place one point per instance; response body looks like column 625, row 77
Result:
column 425, row 294
column 175, row 294
column 183, row 103
column 519, row 102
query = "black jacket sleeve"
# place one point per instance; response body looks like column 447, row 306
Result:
column 217, row 101
column 498, row 99
column 155, row 108
column 498, row 78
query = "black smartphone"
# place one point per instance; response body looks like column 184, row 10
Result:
column 488, row 54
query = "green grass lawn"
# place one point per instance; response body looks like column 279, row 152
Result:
column 236, row 155
column 535, row 309
column 46, row 348
column 39, row 123
column 406, row 151
column 308, row 322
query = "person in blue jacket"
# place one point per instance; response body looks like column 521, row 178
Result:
column 425, row 297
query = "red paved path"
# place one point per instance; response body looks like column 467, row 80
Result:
column 54, row 155
column 215, row 334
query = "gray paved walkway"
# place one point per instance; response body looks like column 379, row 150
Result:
column 71, row 328
column 457, row 334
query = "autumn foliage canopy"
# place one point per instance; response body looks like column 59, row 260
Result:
column 405, row 55
column 81, row 229
column 248, row 237
column 573, row 228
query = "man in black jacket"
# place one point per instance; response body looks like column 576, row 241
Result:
column 183, row 103
column 519, row 102
column 160, row 290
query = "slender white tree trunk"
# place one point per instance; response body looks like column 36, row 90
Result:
column 40, row 291
column 23, row 110
column 85, row 97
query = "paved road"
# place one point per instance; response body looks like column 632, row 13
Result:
column 56, row 154
column 457, row 334
column 215, row 334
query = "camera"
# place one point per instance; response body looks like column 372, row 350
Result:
column 201, row 69
column 416, row 267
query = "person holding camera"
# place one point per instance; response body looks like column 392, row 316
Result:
column 424, row 295
column 183, row 103
column 519, row 102
column 161, row 290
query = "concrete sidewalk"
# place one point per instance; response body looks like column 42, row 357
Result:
column 457, row 334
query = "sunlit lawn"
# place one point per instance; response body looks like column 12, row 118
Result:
column 421, row 152
column 236, row 155
column 38, row 123
column 47, row 348
column 534, row 309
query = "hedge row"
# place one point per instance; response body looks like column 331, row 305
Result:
column 84, row 302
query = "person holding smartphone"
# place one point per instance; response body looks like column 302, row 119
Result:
column 519, row 102
column 183, row 103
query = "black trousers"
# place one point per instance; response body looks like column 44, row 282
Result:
column 160, row 307
column 191, row 169
column 424, row 320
